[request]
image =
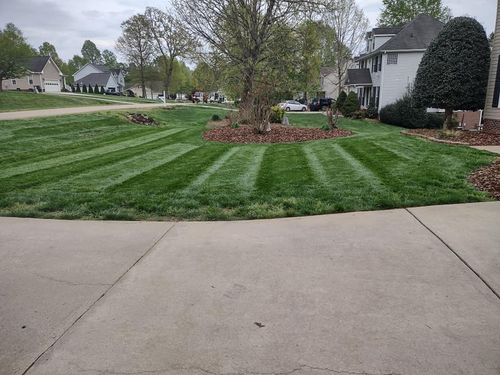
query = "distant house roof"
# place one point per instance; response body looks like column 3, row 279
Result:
column 417, row 34
column 358, row 77
column 326, row 70
column 99, row 79
column 35, row 64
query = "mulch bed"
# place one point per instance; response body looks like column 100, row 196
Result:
column 471, row 138
column 141, row 119
column 278, row 134
column 488, row 179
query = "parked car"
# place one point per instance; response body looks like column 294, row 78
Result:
column 321, row 104
column 112, row 92
column 293, row 105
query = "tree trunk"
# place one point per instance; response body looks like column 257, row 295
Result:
column 143, row 82
column 169, row 68
column 448, row 115
column 1, row 84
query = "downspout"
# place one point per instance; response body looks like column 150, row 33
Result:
column 384, row 53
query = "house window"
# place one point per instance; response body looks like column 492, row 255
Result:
column 14, row 82
column 392, row 58
column 496, row 91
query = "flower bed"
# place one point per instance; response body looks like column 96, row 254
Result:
column 278, row 134
column 488, row 179
column 471, row 138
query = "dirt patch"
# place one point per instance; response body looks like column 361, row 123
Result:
column 488, row 179
column 471, row 138
column 141, row 119
column 278, row 134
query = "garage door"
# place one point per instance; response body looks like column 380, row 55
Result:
column 52, row 86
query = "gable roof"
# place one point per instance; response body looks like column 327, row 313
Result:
column 417, row 34
column 101, row 79
column 35, row 64
column 326, row 70
column 358, row 77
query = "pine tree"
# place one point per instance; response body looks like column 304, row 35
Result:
column 84, row 89
column 453, row 73
column 96, row 89
column 78, row 89
column 351, row 104
column 339, row 104
column 91, row 90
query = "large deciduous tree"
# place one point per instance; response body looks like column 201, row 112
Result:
column 453, row 73
column 399, row 12
column 13, row 48
column 136, row 45
column 109, row 59
column 253, row 36
column 349, row 25
column 172, row 39
column 91, row 53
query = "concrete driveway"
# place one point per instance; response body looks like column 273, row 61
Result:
column 389, row 292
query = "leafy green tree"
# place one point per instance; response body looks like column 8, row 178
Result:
column 13, row 48
column 137, row 46
column 91, row 53
column 351, row 104
column 400, row 12
column 453, row 73
column 309, row 57
column 109, row 59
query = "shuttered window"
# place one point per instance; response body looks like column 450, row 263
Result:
column 496, row 92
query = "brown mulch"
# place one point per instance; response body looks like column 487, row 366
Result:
column 488, row 179
column 278, row 134
column 471, row 138
column 141, row 119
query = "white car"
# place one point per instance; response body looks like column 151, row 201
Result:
column 293, row 105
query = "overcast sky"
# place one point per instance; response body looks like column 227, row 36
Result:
column 68, row 23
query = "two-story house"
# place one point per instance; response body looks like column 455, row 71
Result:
column 389, row 65
column 492, row 106
column 95, row 74
column 42, row 74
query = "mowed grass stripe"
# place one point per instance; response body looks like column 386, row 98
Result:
column 238, row 174
column 285, row 170
column 315, row 165
column 66, row 159
column 216, row 165
column 175, row 176
column 359, row 168
column 115, row 173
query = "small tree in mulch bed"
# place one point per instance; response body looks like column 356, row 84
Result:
column 78, row 89
column 102, row 90
column 84, row 89
column 141, row 119
column 91, row 90
column 96, row 89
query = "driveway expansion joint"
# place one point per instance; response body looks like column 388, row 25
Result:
column 148, row 250
column 455, row 253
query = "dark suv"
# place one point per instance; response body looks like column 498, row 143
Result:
column 320, row 104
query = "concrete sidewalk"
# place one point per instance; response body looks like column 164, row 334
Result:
column 388, row 292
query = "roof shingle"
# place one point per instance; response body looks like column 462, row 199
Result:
column 358, row 77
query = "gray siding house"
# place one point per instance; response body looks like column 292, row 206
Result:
column 389, row 65
column 102, row 76
column 492, row 105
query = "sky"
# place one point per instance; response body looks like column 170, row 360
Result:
column 68, row 23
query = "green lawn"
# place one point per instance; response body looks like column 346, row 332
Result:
column 101, row 166
column 21, row 100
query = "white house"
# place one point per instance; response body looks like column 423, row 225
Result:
column 389, row 65
column 100, row 75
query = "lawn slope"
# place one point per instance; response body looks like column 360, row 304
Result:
column 101, row 166
column 19, row 101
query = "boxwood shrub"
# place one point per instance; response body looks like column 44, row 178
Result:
column 404, row 113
